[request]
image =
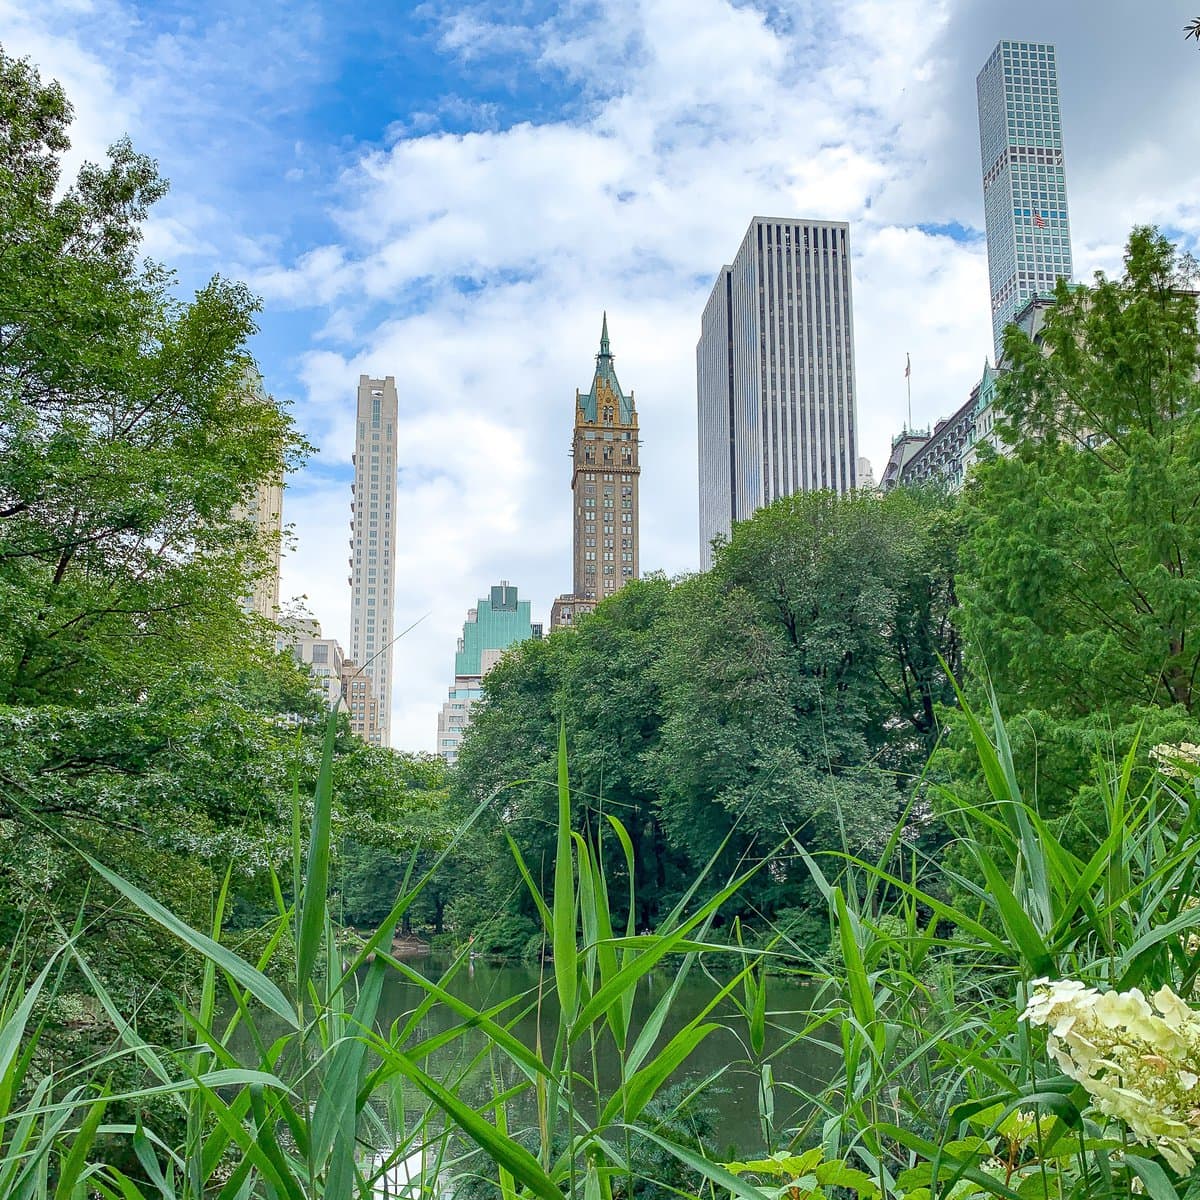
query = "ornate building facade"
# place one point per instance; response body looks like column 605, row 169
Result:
column 604, row 491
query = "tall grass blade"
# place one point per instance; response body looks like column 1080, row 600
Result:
column 316, row 878
column 71, row 1171
column 563, row 931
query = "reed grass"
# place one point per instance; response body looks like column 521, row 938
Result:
column 287, row 1087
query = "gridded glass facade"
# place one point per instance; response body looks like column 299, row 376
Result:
column 775, row 373
column 1024, row 182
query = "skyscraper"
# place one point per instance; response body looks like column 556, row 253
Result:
column 775, row 373
column 264, row 510
column 500, row 620
column 1024, row 183
column 373, row 556
column 604, row 490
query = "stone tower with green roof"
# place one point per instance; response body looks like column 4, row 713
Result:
column 604, row 490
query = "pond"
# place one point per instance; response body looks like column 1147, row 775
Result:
column 734, row 1096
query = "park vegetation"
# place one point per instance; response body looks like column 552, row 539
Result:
column 935, row 755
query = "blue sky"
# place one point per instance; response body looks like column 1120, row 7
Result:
column 452, row 193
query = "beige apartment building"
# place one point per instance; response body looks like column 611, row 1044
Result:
column 373, row 560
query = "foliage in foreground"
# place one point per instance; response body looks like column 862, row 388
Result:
column 287, row 1086
column 941, row 1088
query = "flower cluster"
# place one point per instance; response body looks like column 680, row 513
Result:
column 1140, row 1064
column 1176, row 760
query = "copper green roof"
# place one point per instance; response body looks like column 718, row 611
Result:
column 498, row 621
column 605, row 372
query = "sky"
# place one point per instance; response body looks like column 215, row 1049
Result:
column 453, row 193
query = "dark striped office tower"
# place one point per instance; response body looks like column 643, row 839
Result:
column 775, row 373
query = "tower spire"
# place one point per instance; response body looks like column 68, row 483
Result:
column 605, row 352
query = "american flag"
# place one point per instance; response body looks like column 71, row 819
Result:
column 1038, row 220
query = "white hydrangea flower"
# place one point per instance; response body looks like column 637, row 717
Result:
column 1168, row 757
column 1139, row 1062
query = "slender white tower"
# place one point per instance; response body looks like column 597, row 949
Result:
column 373, row 557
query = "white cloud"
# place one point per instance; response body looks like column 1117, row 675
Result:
column 474, row 265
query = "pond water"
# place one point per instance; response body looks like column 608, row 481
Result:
column 795, row 1063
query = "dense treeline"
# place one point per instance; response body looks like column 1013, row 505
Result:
column 793, row 694
column 792, row 690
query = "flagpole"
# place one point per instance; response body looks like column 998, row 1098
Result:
column 908, row 382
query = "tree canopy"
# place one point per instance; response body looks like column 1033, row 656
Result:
column 1079, row 580
column 793, row 689
column 131, row 426
column 146, row 715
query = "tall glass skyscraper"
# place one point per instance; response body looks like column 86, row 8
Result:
column 775, row 373
column 1024, row 184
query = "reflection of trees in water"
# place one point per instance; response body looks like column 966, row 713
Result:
column 465, row 1066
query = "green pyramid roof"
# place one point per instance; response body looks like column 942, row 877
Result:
column 605, row 371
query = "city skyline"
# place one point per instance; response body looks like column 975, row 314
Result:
column 463, row 228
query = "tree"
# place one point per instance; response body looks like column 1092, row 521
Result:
column 801, row 681
column 792, row 689
column 145, row 716
column 507, row 761
column 1192, row 29
column 1080, row 587
column 599, row 677
column 129, row 429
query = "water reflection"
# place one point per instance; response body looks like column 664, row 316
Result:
column 724, row 1056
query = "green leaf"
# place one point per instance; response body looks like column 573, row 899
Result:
column 255, row 982
column 503, row 1150
column 316, row 878
column 642, row 1088
column 72, row 1168
column 1016, row 921
column 1157, row 1183
column 563, row 934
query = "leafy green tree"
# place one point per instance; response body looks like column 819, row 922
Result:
column 791, row 689
column 599, row 678
column 129, row 430
column 1080, row 587
column 507, row 761
column 802, row 678
column 612, row 704
column 392, row 817
column 145, row 716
